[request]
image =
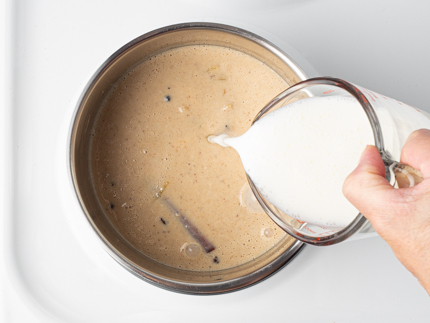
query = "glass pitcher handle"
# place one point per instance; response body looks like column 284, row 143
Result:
column 406, row 176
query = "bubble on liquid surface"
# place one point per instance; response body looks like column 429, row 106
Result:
column 247, row 199
column 267, row 232
column 192, row 250
column 213, row 139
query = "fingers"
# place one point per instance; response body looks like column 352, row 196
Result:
column 371, row 162
column 366, row 187
column 416, row 152
column 369, row 172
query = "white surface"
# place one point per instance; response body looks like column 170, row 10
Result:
column 53, row 269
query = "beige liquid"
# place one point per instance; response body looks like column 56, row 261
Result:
column 150, row 147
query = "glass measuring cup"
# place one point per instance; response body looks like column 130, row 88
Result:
column 391, row 121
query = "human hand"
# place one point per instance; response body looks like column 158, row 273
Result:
column 400, row 216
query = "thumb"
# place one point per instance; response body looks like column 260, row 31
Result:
column 366, row 187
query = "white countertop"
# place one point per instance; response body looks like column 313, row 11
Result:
column 54, row 269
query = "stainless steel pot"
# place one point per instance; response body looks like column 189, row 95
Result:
column 109, row 73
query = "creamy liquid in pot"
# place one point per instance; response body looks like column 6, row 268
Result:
column 150, row 158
